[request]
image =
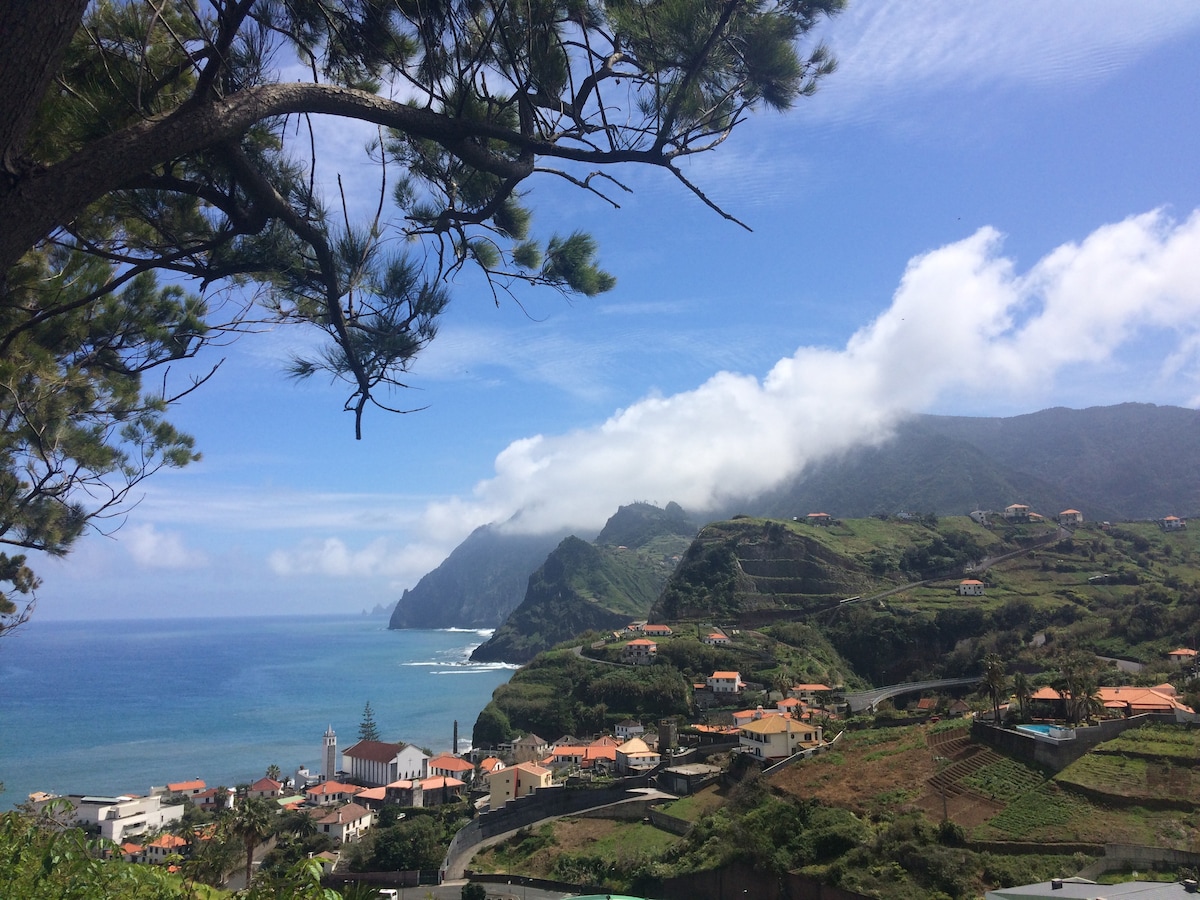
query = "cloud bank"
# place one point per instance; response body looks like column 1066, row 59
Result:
column 963, row 321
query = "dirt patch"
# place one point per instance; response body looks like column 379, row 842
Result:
column 868, row 772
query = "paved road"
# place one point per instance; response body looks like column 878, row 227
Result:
column 452, row 890
column 867, row 699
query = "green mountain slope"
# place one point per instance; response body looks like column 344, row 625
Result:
column 602, row 586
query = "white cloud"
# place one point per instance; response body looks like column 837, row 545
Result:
column 154, row 549
column 888, row 50
column 962, row 321
column 332, row 557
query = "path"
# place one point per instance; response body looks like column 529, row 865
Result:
column 864, row 700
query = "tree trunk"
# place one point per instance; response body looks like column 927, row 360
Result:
column 34, row 35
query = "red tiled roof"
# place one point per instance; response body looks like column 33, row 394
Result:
column 437, row 782
column 168, row 842
column 450, row 763
column 266, row 784
column 194, row 785
column 332, row 787
column 374, row 751
column 351, row 812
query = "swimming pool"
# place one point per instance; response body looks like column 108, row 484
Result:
column 1050, row 733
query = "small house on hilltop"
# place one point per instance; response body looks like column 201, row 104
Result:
column 715, row 639
column 657, row 630
column 819, row 518
column 726, row 682
column 1017, row 512
column 1172, row 523
column 970, row 587
column 640, row 652
column 1070, row 517
column 1183, row 656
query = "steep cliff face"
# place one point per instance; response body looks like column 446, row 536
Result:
column 749, row 564
column 478, row 585
column 599, row 586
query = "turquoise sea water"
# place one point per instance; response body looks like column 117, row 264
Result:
column 115, row 707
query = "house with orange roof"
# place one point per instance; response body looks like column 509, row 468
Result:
column 1182, row 656
column 490, row 764
column 266, row 789
column 777, row 737
column 405, row 792
column 970, row 587
column 1016, row 512
column 819, row 518
column 330, row 793
column 132, row 852
column 439, row 789
column 1070, row 517
column 657, row 630
column 213, row 799
column 451, row 766
column 157, row 851
column 346, row 824
column 639, row 652
column 517, row 781
column 372, row 798
column 715, row 639
column 808, row 692
column 725, row 682
column 182, row 788
column 1125, row 700
column 1172, row 523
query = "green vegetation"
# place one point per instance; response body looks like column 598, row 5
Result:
column 561, row 693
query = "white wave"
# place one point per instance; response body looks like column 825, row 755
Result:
column 482, row 632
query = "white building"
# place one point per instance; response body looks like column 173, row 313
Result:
column 726, row 682
column 378, row 763
column 118, row 817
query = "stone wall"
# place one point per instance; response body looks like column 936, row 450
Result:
column 1057, row 757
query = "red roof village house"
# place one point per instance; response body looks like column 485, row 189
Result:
column 819, row 518
column 726, row 682
column 970, row 587
column 1070, row 517
column 715, row 639
column 1183, row 656
column 327, row 793
column 346, row 824
column 266, row 788
column 451, row 766
column 640, row 652
column 657, row 630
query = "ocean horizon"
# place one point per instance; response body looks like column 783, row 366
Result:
column 116, row 706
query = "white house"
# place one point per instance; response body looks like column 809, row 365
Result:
column 1070, row 517
column 726, row 682
column 450, row 766
column 715, row 639
column 1017, row 512
column 330, row 793
column 629, row 729
column 640, row 652
column 346, row 824
column 1172, row 523
column 777, row 737
column 634, row 755
column 970, row 587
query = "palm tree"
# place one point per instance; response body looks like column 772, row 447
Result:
column 1023, row 688
column 251, row 822
column 273, row 772
column 996, row 682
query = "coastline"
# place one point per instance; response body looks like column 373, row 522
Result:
column 114, row 706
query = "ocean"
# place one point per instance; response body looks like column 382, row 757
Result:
column 113, row 707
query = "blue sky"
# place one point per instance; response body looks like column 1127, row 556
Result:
column 989, row 209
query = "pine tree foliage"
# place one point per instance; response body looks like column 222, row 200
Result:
column 367, row 729
column 169, row 137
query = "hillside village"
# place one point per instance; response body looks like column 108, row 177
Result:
column 662, row 713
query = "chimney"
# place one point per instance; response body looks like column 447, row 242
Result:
column 454, row 748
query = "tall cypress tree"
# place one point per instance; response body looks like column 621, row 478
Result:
column 367, row 729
